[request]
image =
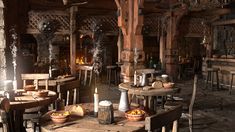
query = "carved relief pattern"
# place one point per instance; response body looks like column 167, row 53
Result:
column 194, row 26
column 152, row 25
column 86, row 24
column 35, row 17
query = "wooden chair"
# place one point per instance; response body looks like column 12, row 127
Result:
column 164, row 119
column 188, row 115
column 33, row 114
column 139, row 98
column 35, row 78
column 69, row 91
column 111, row 72
column 6, row 122
column 147, row 71
column 85, row 72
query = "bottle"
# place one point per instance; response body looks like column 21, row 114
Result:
column 151, row 62
column 59, row 104
column 96, row 102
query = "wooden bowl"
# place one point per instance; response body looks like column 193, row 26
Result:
column 42, row 93
column 29, row 88
column 135, row 115
column 59, row 116
column 216, row 56
column 168, row 85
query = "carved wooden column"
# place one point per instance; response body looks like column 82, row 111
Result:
column 2, row 44
column 171, row 51
column 130, row 20
column 73, row 12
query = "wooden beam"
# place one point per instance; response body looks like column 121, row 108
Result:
column 118, row 4
column 224, row 22
column 212, row 12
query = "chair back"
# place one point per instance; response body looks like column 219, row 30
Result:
column 7, row 122
column 69, row 91
column 35, row 77
column 163, row 119
column 193, row 93
column 190, row 114
column 85, row 73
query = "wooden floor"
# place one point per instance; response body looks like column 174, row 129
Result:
column 214, row 111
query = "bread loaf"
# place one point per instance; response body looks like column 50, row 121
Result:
column 76, row 110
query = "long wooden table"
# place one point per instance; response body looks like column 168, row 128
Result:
column 89, row 123
column 55, row 82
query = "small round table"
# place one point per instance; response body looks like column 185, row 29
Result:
column 26, row 101
column 148, row 94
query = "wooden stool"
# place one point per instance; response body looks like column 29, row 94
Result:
column 210, row 75
column 119, row 64
column 231, row 84
column 111, row 71
column 224, row 78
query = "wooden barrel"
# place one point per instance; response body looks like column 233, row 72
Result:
column 105, row 114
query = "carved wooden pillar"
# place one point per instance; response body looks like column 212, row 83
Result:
column 73, row 11
column 171, row 51
column 171, row 48
column 2, row 44
column 130, row 20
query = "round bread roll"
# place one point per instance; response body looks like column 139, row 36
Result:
column 157, row 84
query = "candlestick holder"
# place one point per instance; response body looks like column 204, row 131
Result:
column 123, row 103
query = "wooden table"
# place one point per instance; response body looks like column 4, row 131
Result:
column 88, row 123
column 55, row 82
column 25, row 101
column 149, row 95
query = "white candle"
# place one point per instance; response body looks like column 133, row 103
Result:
column 96, row 101
column 135, row 78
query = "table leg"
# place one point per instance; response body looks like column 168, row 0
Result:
column 146, row 101
column 7, row 121
column 18, row 122
column 151, row 103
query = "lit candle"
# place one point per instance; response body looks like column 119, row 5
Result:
column 96, row 102
column 77, row 60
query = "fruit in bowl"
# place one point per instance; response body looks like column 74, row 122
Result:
column 59, row 116
column 168, row 85
column 135, row 115
column 29, row 88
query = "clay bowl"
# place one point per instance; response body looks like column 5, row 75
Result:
column 59, row 117
column 134, row 115
column 29, row 88
column 42, row 93
column 168, row 85
column 215, row 56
